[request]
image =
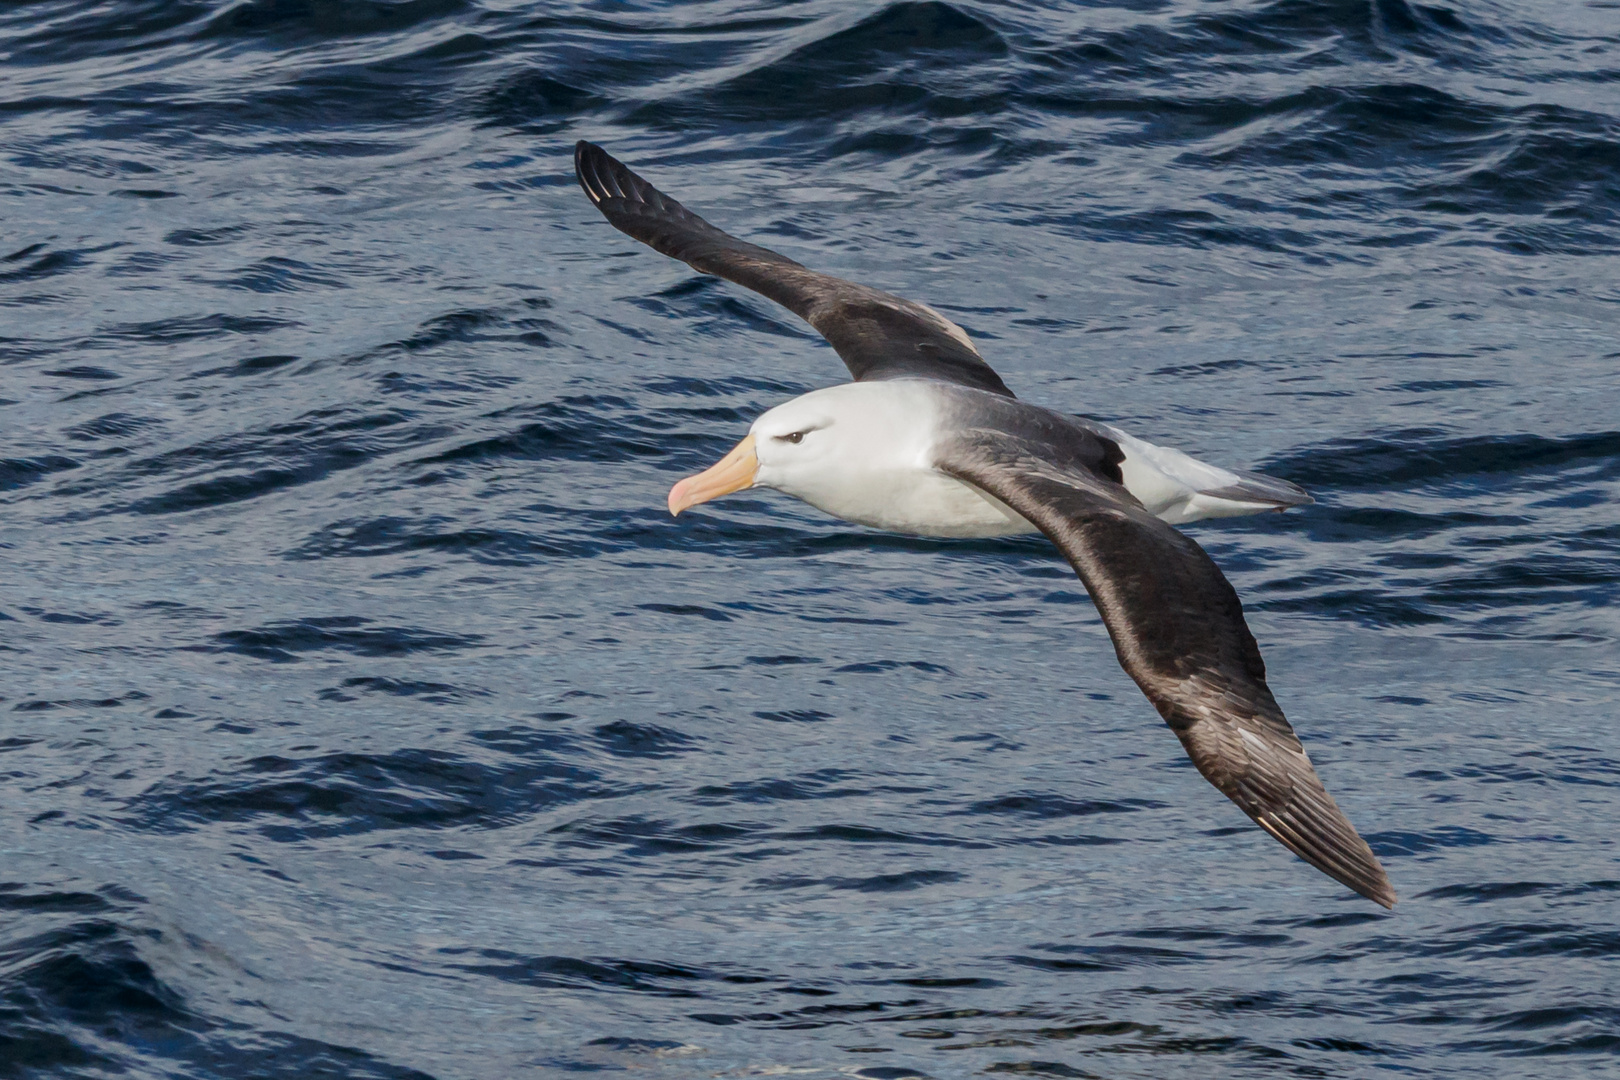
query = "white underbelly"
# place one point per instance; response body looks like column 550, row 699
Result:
column 925, row 503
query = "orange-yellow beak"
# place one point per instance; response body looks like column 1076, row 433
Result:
column 731, row 473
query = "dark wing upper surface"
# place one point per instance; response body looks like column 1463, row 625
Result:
column 878, row 335
column 1179, row 631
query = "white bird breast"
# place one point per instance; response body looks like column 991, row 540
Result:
column 918, row 501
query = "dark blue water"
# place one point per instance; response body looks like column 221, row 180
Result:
column 366, row 715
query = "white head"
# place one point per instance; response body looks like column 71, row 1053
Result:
column 820, row 445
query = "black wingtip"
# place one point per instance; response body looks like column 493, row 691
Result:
column 609, row 183
column 1374, row 884
column 588, row 161
column 1379, row 891
column 1344, row 857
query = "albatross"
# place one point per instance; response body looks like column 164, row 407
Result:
column 928, row 440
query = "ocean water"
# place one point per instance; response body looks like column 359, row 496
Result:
column 365, row 714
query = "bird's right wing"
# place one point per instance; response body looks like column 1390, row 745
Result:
column 1178, row 629
column 878, row 335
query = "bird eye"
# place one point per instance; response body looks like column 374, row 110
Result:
column 795, row 438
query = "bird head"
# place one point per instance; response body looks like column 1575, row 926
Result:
column 801, row 447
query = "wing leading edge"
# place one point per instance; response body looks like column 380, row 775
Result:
column 877, row 334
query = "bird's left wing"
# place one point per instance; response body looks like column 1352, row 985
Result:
column 877, row 334
column 1178, row 629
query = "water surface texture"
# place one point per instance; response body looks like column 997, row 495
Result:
column 365, row 714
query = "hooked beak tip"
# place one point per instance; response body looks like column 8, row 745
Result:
column 731, row 473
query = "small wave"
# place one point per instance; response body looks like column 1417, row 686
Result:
column 241, row 466
column 78, row 704
column 626, row 740
column 597, row 974
column 873, row 65
column 431, row 693
column 40, row 264
column 180, row 328
column 20, row 472
column 1493, row 891
column 1045, row 805
column 290, row 799
column 867, row 834
column 583, row 428
column 283, row 642
column 82, row 997
column 1429, row 456
column 573, row 534
column 278, row 274
column 535, row 102
column 309, row 20
column 900, row 881
column 819, row 784
column 128, row 28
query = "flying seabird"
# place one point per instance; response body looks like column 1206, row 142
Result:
column 928, row 440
